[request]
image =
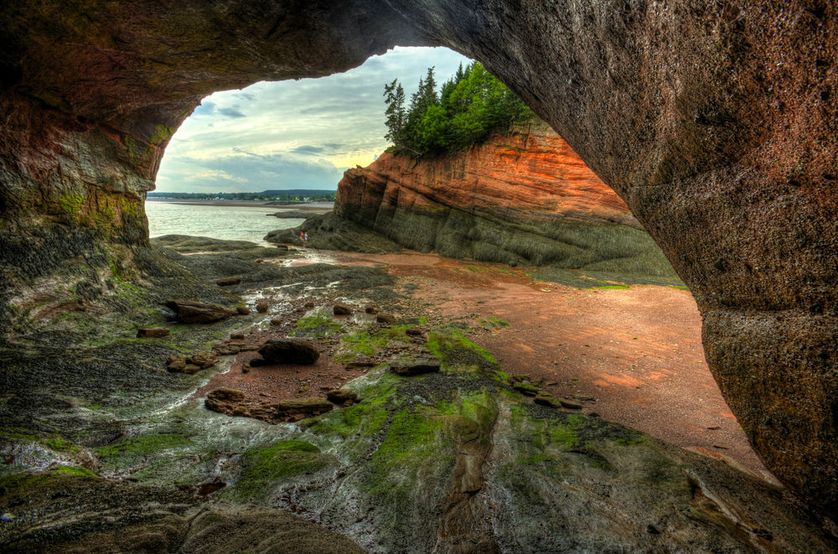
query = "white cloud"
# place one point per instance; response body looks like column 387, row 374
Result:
column 293, row 134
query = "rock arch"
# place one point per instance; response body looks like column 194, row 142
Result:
column 715, row 121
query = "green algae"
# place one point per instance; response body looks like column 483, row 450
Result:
column 142, row 446
column 75, row 471
column 493, row 322
column 71, row 204
column 455, row 350
column 265, row 466
column 369, row 343
column 316, row 326
column 364, row 419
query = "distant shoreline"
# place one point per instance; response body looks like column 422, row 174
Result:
column 313, row 206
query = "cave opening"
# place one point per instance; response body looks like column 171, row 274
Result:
column 712, row 123
column 249, row 165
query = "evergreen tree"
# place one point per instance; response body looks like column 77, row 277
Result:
column 470, row 106
column 395, row 112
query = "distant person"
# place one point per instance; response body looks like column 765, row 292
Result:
column 305, row 236
column 302, row 236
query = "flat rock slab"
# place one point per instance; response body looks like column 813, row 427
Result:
column 290, row 351
column 190, row 311
column 303, row 407
column 152, row 333
column 407, row 368
column 234, row 402
column 342, row 309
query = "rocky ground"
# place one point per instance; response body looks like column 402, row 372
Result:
column 197, row 437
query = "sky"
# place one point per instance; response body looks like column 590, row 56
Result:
column 293, row 134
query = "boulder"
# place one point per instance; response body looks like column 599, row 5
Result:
column 342, row 396
column 342, row 309
column 290, row 351
column 191, row 311
column 152, row 333
column 407, row 368
column 370, row 309
column 242, row 310
column 262, row 306
column 191, row 364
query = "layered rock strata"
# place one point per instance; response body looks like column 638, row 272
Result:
column 715, row 122
column 522, row 197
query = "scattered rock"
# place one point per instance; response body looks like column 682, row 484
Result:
column 190, row 311
column 414, row 332
column 386, row 319
column 524, row 386
column 152, row 333
column 308, row 305
column 225, row 401
column 204, row 360
column 584, row 397
column 242, row 310
column 370, row 309
column 408, row 368
column 191, row 364
column 570, row 404
column 245, row 368
column 276, row 322
column 262, row 306
column 290, row 351
column 237, row 336
column 228, row 281
column 342, row 396
column 342, row 309
column 548, row 400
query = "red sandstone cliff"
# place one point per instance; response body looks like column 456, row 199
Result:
column 530, row 173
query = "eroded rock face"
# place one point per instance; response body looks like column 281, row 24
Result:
column 715, row 122
column 524, row 197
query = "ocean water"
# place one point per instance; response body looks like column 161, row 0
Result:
column 218, row 222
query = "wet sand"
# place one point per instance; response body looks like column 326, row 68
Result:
column 637, row 351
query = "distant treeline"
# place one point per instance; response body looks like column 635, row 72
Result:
column 467, row 109
column 291, row 195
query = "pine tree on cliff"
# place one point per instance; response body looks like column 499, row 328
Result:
column 467, row 110
column 395, row 112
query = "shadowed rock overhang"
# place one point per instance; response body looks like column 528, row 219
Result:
column 715, row 122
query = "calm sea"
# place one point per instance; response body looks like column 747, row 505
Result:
column 219, row 222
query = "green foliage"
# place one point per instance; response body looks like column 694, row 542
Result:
column 470, row 106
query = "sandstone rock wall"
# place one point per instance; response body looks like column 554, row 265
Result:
column 523, row 197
